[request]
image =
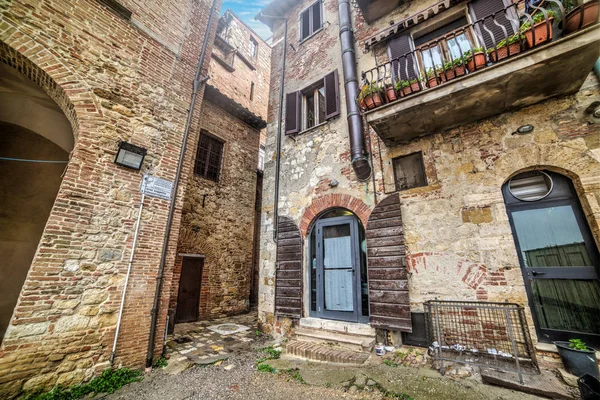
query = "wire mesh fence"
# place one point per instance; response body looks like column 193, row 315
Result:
column 486, row 334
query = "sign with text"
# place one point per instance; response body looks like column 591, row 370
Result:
column 157, row 187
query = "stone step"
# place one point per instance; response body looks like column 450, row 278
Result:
column 357, row 343
column 318, row 352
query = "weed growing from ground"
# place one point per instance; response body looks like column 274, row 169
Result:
column 109, row 382
column 160, row 363
column 390, row 363
column 270, row 354
column 265, row 368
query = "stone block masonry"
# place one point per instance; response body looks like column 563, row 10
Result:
column 115, row 79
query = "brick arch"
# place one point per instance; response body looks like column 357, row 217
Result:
column 67, row 90
column 326, row 202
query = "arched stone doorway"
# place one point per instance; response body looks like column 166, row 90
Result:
column 32, row 129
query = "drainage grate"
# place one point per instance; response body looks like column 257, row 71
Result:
column 486, row 334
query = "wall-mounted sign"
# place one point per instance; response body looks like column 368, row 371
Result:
column 156, row 187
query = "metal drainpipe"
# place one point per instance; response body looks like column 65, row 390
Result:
column 135, row 237
column 198, row 81
column 360, row 162
column 279, row 126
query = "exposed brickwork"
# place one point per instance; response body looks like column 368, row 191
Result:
column 330, row 201
column 319, row 352
column 115, row 80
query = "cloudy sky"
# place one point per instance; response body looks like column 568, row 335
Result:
column 247, row 10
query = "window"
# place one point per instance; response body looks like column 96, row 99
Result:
column 209, row 156
column 251, row 91
column 409, row 171
column 253, row 47
column 311, row 20
column 261, row 158
column 313, row 105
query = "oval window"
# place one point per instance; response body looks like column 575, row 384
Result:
column 531, row 186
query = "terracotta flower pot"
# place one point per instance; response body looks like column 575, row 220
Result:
column 459, row 70
column 373, row 100
column 390, row 93
column 413, row 88
column 540, row 30
column 577, row 19
column 476, row 62
column 433, row 81
column 502, row 52
column 448, row 75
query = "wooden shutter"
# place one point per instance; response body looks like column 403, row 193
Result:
column 484, row 8
column 388, row 282
column 292, row 112
column 332, row 95
column 405, row 68
column 288, row 272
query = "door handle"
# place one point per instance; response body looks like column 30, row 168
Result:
column 535, row 273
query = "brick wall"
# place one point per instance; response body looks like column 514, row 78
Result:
column 115, row 80
column 218, row 219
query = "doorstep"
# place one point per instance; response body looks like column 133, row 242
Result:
column 353, row 328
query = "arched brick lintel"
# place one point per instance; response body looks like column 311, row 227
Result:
column 326, row 202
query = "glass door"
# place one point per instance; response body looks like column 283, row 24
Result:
column 337, row 262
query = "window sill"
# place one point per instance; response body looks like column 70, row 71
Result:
column 312, row 128
column 306, row 39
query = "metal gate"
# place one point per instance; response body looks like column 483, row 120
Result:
column 487, row 334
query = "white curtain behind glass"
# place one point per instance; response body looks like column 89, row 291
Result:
column 338, row 273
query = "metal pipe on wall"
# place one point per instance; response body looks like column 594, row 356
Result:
column 135, row 237
column 198, row 81
column 360, row 161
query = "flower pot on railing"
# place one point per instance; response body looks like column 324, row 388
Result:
column 411, row 87
column 506, row 48
column 433, row 81
column 477, row 61
column 541, row 31
column 453, row 69
column 371, row 96
column 373, row 100
column 582, row 16
column 390, row 93
column 578, row 359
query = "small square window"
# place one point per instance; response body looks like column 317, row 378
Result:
column 209, row 157
column 252, row 47
column 409, row 171
column 311, row 20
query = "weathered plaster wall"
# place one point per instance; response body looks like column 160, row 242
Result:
column 221, row 225
column 458, row 237
column 115, row 80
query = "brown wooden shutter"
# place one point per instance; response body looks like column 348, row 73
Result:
column 288, row 273
column 388, row 282
column 292, row 112
column 332, row 95
column 483, row 8
column 405, row 68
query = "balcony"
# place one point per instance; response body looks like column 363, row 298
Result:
column 538, row 64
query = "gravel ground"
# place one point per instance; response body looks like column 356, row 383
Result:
column 214, row 382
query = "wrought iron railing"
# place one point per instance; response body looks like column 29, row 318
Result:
column 518, row 27
column 482, row 333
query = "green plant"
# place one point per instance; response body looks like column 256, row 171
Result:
column 577, row 344
column 265, row 368
column 294, row 373
column 390, row 363
column 328, row 384
column 369, row 89
column 258, row 333
column 161, row 362
column 467, row 55
column 517, row 37
column 109, row 382
column 271, row 354
column 537, row 18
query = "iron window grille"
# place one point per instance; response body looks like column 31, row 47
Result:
column 209, row 157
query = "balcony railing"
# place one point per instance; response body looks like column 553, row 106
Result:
column 515, row 29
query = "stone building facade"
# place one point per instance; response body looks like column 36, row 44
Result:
column 91, row 73
column 452, row 237
column 219, row 211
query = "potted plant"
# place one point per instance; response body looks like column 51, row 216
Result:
column 542, row 28
column 475, row 59
column 398, row 86
column 433, row 78
column 371, row 96
column 506, row 48
column 390, row 92
column 578, row 358
column 410, row 86
column 579, row 16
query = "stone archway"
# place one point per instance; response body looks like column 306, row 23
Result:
column 329, row 201
column 35, row 141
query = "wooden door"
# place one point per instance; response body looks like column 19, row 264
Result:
column 188, row 300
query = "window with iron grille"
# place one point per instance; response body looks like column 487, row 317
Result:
column 209, row 156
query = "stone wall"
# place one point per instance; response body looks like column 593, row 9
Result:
column 459, row 241
column 115, row 79
column 218, row 219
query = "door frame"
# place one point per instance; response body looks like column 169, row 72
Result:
column 589, row 273
column 321, row 312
